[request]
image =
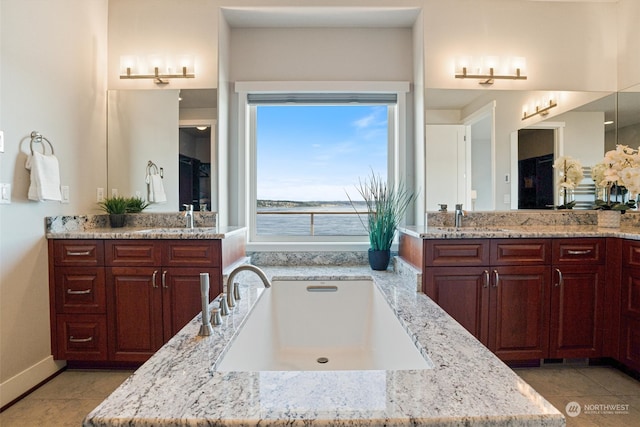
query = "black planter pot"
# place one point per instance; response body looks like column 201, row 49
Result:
column 379, row 260
column 117, row 220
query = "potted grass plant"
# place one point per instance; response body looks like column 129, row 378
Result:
column 386, row 207
column 117, row 207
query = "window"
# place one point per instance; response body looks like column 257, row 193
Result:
column 306, row 152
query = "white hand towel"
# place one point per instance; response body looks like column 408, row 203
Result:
column 45, row 177
column 155, row 189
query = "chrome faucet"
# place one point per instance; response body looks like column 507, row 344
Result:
column 244, row 267
column 188, row 215
column 458, row 216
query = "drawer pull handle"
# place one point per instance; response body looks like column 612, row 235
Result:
column 486, row 279
column 560, row 278
column 83, row 253
column 164, row 279
column 153, row 279
column 83, row 292
column 495, row 284
column 578, row 252
column 72, row 339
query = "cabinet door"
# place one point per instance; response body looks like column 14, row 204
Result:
column 463, row 293
column 577, row 297
column 193, row 253
column 181, row 296
column 134, row 304
column 519, row 312
column 630, row 319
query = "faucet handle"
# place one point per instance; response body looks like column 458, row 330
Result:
column 459, row 206
column 216, row 320
column 236, row 291
column 188, row 208
column 224, row 306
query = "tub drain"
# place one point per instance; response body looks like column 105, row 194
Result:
column 322, row 360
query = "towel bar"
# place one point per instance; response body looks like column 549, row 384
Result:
column 37, row 137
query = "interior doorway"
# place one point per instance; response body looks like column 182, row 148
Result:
column 194, row 166
column 535, row 168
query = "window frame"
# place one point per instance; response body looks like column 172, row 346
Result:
column 247, row 188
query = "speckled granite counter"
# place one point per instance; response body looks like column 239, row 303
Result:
column 139, row 226
column 515, row 231
column 179, row 385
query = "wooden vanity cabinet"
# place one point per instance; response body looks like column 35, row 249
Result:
column 498, row 289
column 121, row 300
column 577, row 298
column 629, row 348
column 78, row 292
column 152, row 294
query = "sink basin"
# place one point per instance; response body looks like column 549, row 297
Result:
column 177, row 230
column 465, row 229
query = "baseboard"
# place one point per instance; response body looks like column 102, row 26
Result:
column 21, row 383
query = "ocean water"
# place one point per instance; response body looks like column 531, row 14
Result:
column 299, row 224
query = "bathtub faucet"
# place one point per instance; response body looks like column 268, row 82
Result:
column 244, row 267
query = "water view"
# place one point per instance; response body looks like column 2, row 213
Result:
column 310, row 218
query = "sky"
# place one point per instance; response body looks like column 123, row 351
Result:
column 319, row 153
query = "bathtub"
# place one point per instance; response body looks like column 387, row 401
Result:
column 322, row 326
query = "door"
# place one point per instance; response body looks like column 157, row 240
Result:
column 519, row 312
column 181, row 296
column 134, row 304
column 463, row 293
column 576, row 311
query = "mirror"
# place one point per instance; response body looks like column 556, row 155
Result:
column 155, row 131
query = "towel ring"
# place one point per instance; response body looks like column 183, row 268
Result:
column 37, row 137
column 152, row 168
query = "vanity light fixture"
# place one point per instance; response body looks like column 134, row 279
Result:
column 541, row 111
column 202, row 128
column 490, row 68
column 156, row 67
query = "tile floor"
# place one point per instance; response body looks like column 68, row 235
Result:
column 65, row 400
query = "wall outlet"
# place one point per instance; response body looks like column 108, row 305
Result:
column 65, row 193
column 5, row 193
column 114, row 192
column 100, row 194
column 507, row 199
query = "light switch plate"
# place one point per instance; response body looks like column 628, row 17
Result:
column 5, row 193
column 100, row 194
column 114, row 192
column 65, row 193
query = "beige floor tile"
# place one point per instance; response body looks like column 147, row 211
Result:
column 561, row 382
column 597, row 416
column 613, row 380
column 74, row 384
column 49, row 413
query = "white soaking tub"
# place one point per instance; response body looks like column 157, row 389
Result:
column 323, row 325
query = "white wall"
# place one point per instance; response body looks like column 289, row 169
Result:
column 166, row 27
column 628, row 43
column 568, row 45
column 53, row 62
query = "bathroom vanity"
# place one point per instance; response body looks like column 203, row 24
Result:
column 535, row 291
column 117, row 295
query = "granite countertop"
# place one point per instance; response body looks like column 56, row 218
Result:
column 147, row 233
column 179, row 385
column 517, row 231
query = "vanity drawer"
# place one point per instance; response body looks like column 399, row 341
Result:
column 520, row 252
column 195, row 253
column 467, row 252
column 80, row 290
column 78, row 252
column 132, row 253
column 570, row 251
column 82, row 337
